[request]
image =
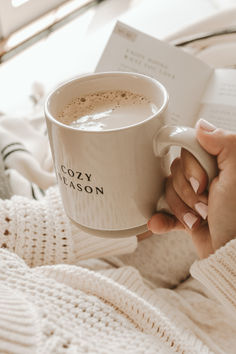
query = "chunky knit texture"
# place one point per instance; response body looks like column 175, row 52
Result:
column 40, row 233
column 51, row 314
column 218, row 273
column 70, row 309
column 131, row 300
column 103, row 296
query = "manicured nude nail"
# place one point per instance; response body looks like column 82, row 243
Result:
column 202, row 209
column 194, row 183
column 205, row 125
column 189, row 219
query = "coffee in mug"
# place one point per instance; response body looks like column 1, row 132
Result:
column 106, row 110
column 108, row 136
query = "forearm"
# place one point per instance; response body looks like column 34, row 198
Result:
column 218, row 274
column 40, row 233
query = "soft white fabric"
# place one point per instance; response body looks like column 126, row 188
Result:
column 26, row 155
column 143, row 301
column 213, row 23
column 70, row 309
column 40, row 233
column 218, row 273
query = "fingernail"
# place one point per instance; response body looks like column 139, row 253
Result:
column 194, row 183
column 190, row 219
column 205, row 125
column 202, row 209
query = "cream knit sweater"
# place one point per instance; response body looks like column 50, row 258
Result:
column 142, row 302
column 63, row 291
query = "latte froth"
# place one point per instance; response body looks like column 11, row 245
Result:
column 107, row 110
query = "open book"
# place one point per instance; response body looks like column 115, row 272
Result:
column 196, row 90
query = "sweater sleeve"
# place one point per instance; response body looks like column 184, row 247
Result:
column 218, row 274
column 40, row 233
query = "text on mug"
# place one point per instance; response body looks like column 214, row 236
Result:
column 70, row 178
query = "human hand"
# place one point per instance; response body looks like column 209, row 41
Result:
column 144, row 235
column 210, row 218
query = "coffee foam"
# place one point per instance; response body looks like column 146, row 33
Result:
column 107, row 110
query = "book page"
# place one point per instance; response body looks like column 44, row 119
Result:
column 218, row 104
column 184, row 76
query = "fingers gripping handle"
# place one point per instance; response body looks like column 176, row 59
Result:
column 184, row 137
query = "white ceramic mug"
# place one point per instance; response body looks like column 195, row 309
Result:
column 110, row 181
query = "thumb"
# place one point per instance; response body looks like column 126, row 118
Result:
column 216, row 141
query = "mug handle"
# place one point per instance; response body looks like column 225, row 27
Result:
column 185, row 137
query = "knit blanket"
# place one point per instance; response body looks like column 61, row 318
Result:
column 139, row 302
column 26, row 166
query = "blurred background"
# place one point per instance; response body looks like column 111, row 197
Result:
column 43, row 42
